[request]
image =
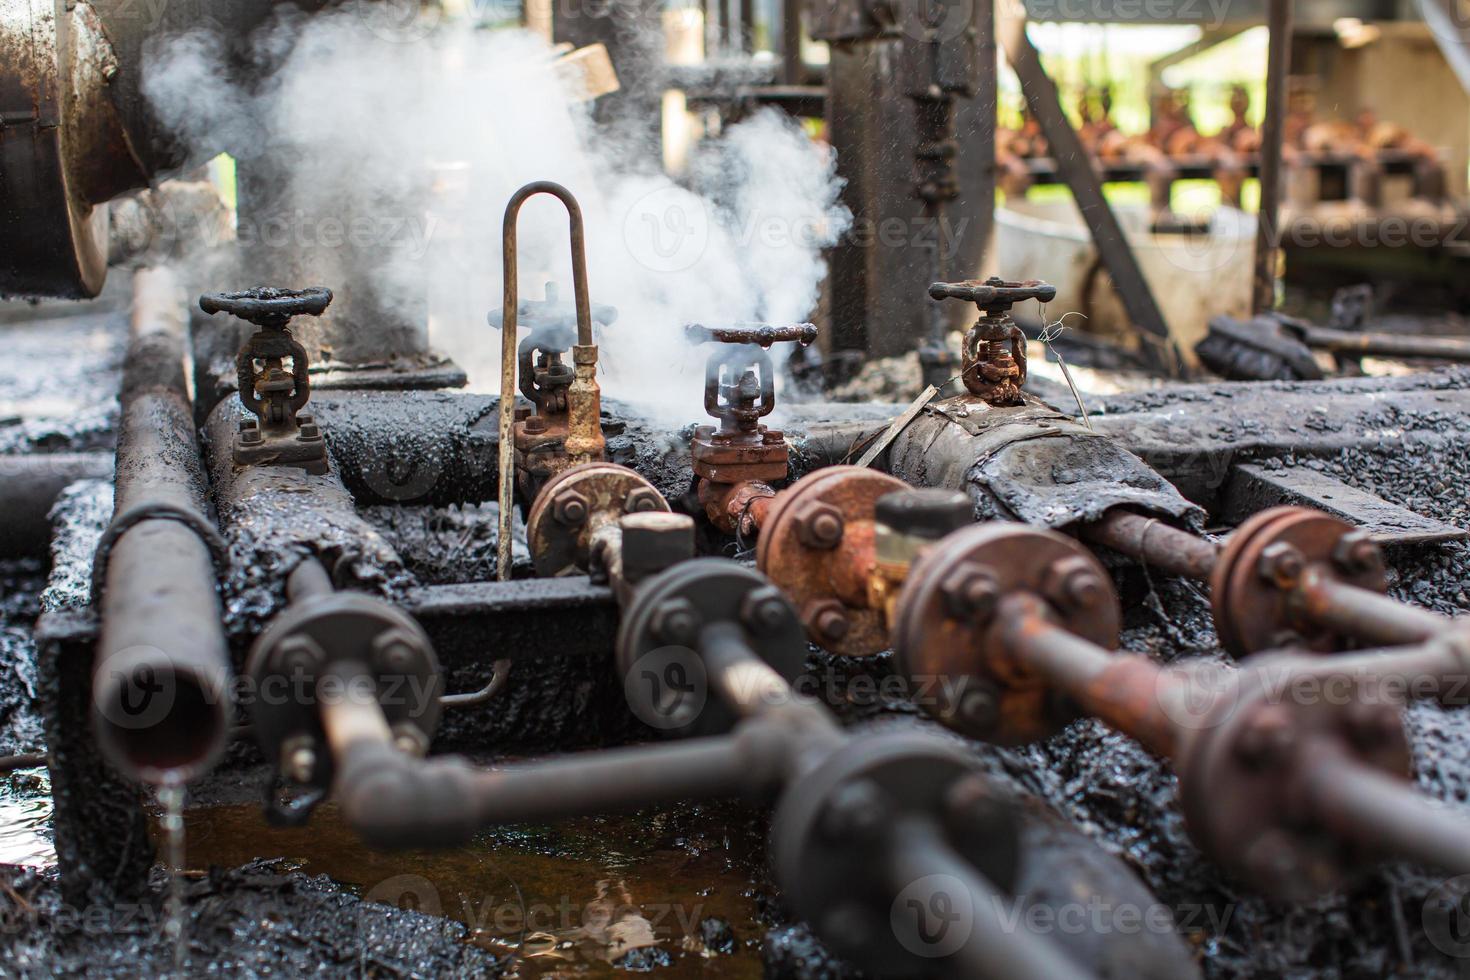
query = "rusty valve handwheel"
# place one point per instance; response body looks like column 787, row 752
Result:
column 1253, row 584
column 994, row 294
column 268, row 306
column 574, row 504
column 946, row 626
column 816, row 545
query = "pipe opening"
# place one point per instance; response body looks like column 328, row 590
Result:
column 161, row 724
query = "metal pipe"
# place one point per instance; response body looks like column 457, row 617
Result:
column 584, row 436
column 1365, row 614
column 997, row 946
column 1151, row 541
column 308, row 579
column 1381, row 812
column 1273, row 135
column 29, row 488
column 1388, row 344
column 1121, row 690
column 161, row 699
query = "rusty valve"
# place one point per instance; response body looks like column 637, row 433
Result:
column 280, row 434
column 579, row 510
column 1295, row 793
column 737, row 461
column 533, row 445
column 990, row 370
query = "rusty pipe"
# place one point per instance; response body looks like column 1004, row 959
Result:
column 584, row 441
column 160, row 687
column 1360, row 803
column 1364, row 614
column 1121, row 690
column 1152, row 542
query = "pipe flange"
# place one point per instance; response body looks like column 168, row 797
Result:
column 830, row 828
column 816, row 545
column 304, row 640
column 945, row 626
column 1241, row 773
column 574, row 504
column 1252, row 584
column 664, row 677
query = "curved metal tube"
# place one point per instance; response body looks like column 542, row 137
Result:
column 585, row 348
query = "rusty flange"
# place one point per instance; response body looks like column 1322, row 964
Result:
column 1241, row 774
column 816, row 545
column 1252, row 586
column 574, row 504
column 944, row 638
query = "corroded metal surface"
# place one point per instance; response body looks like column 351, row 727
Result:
column 817, row 545
column 1253, row 584
column 574, row 505
column 947, row 626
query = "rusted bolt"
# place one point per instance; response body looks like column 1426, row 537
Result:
column 970, row 592
column 535, row 425
column 642, row 500
column 1357, row 553
column 765, row 610
column 1282, row 564
column 395, row 652
column 250, row 435
column 856, row 812
column 819, row 525
column 299, row 655
column 1267, row 737
column 677, row 622
column 310, row 430
column 1073, row 584
column 827, row 618
column 569, row 509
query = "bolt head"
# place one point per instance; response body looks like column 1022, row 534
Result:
column 970, row 592
column 819, row 525
column 1282, row 563
column 765, row 611
column 1073, row 584
column 856, row 812
column 299, row 655
column 677, row 622
column 569, row 509
column 642, row 500
column 1357, row 553
column 827, row 619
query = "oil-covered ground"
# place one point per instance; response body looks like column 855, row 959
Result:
column 682, row 891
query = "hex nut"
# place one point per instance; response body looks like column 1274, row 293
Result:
column 819, row 525
column 826, row 619
column 1073, row 584
column 643, row 500
column 765, row 610
column 677, row 622
column 1282, row 563
column 569, row 509
column 970, row 592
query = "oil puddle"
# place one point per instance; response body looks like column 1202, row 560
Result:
column 671, row 891
column 25, row 820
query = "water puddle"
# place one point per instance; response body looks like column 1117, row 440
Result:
column 654, row 890
column 25, row 820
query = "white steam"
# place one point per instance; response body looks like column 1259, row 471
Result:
column 431, row 138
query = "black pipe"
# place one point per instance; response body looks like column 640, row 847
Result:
column 29, row 487
column 161, row 699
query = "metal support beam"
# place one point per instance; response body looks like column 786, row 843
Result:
column 1076, row 167
column 1273, row 133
